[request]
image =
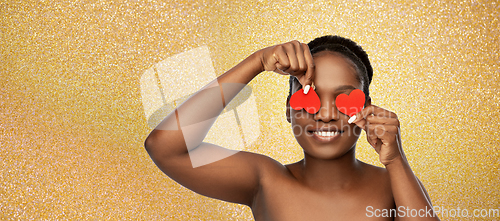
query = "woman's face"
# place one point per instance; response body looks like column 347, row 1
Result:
column 327, row 134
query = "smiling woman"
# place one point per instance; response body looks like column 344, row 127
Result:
column 72, row 120
column 329, row 183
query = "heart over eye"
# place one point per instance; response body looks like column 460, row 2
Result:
column 352, row 103
column 310, row 101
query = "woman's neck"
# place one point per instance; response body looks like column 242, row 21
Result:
column 332, row 174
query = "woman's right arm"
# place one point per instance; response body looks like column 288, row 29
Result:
column 176, row 142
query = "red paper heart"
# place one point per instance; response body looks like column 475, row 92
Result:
column 310, row 101
column 352, row 103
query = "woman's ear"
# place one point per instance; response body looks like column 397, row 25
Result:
column 368, row 101
column 288, row 110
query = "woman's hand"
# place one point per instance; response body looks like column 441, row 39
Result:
column 291, row 58
column 382, row 132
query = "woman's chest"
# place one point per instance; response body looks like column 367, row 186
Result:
column 292, row 201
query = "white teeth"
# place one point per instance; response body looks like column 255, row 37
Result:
column 326, row 133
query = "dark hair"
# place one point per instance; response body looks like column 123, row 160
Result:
column 348, row 49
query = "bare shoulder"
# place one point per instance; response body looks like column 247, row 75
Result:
column 263, row 161
column 267, row 166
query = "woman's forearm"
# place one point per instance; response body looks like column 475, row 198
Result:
column 409, row 195
column 186, row 127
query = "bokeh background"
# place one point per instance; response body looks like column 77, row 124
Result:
column 73, row 126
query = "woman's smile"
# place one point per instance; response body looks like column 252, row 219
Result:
column 325, row 134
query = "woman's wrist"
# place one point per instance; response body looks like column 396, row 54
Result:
column 396, row 164
column 243, row 72
column 256, row 60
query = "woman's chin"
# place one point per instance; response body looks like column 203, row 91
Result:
column 322, row 154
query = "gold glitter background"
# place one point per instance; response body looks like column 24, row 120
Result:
column 72, row 122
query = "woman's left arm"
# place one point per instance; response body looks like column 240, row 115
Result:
column 383, row 134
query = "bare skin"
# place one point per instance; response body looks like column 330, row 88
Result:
column 329, row 183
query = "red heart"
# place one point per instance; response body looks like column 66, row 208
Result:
column 352, row 103
column 310, row 101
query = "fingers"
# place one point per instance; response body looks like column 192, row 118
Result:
column 299, row 52
column 372, row 110
column 381, row 125
column 374, row 115
column 281, row 59
column 378, row 134
column 309, row 75
column 381, row 131
column 382, row 120
column 294, row 58
column 293, row 62
column 371, row 135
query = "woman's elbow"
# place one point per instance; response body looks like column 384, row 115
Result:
column 162, row 144
column 152, row 142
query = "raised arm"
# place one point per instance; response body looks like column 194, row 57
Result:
column 176, row 146
column 383, row 133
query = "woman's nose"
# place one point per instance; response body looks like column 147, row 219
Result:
column 327, row 112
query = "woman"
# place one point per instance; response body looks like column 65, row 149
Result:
column 329, row 183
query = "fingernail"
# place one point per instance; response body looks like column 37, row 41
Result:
column 306, row 89
column 352, row 119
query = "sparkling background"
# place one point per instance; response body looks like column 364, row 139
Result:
column 73, row 126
